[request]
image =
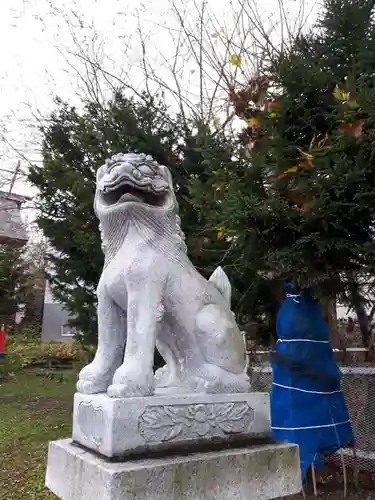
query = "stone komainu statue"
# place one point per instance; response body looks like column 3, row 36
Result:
column 150, row 294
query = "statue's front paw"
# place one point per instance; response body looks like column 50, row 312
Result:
column 94, row 379
column 131, row 384
column 91, row 386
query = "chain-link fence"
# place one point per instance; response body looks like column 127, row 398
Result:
column 358, row 386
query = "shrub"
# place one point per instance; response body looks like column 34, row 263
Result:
column 23, row 354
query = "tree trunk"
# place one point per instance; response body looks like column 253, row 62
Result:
column 359, row 307
column 330, row 315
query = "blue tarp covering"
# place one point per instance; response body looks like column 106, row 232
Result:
column 307, row 405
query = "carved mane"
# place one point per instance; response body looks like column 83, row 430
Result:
column 137, row 161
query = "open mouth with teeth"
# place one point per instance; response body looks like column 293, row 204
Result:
column 126, row 192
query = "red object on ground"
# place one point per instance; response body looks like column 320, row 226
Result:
column 2, row 340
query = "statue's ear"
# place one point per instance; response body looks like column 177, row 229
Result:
column 166, row 174
column 100, row 172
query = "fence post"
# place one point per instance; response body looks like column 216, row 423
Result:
column 2, row 342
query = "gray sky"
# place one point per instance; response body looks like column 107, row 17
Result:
column 37, row 59
column 35, row 39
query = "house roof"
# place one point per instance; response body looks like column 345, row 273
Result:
column 14, row 197
column 12, row 230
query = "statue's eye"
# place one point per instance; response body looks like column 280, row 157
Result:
column 146, row 170
column 136, row 174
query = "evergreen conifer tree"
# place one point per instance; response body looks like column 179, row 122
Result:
column 14, row 273
column 75, row 144
column 302, row 207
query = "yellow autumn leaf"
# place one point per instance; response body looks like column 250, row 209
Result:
column 220, row 235
column 307, row 156
column 337, row 93
column 340, row 94
column 235, row 60
column 353, row 104
column 291, row 170
column 253, row 122
column 345, row 97
column 216, row 122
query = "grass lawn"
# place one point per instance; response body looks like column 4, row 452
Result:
column 35, row 407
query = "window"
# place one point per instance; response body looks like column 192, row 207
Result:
column 67, row 331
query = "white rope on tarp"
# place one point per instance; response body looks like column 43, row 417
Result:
column 310, row 427
column 347, row 349
column 304, row 340
column 305, row 390
column 295, row 297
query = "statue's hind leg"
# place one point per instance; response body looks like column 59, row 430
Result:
column 166, row 375
column 175, row 373
column 219, row 381
column 223, row 349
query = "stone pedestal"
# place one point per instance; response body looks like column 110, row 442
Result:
column 172, row 447
column 248, row 473
column 121, row 428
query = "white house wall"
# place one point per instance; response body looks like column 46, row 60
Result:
column 55, row 319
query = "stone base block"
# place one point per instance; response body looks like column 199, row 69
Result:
column 119, row 428
column 252, row 473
